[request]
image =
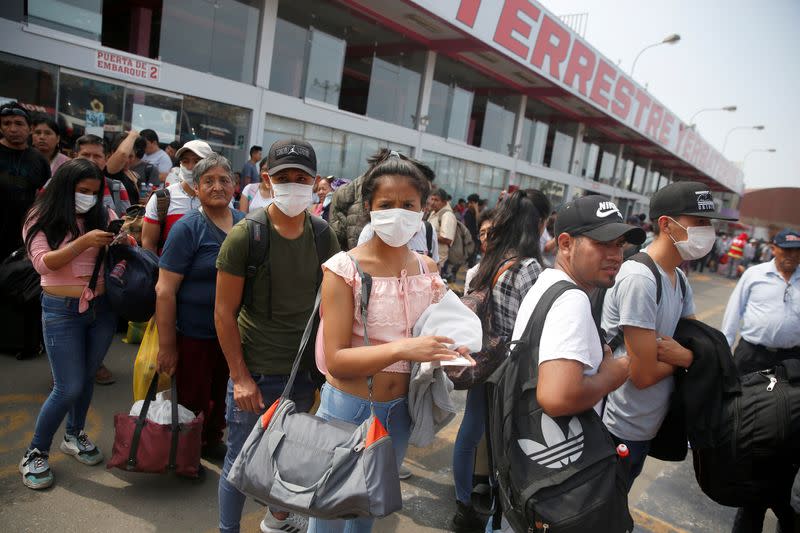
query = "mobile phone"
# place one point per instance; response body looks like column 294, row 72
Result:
column 115, row 226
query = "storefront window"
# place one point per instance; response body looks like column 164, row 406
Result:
column 147, row 110
column 607, row 163
column 449, row 111
column 83, row 18
column 88, row 105
column 339, row 153
column 498, row 128
column 461, row 178
column 638, row 179
column 562, row 150
column 225, row 127
column 31, row 83
column 219, row 37
column 325, row 65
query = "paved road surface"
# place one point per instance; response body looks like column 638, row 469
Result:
column 92, row 499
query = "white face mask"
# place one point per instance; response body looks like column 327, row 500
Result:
column 395, row 227
column 291, row 198
column 84, row 202
column 699, row 241
column 186, row 175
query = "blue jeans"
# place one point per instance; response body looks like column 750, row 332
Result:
column 637, row 453
column 76, row 344
column 473, row 427
column 240, row 424
column 394, row 417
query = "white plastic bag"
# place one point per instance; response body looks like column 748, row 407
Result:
column 451, row 318
column 160, row 410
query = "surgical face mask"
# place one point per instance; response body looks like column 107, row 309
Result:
column 699, row 241
column 186, row 175
column 84, row 202
column 395, row 227
column 291, row 198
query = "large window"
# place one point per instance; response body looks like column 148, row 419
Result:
column 339, row 153
column 461, row 178
column 394, row 89
column 88, row 105
column 219, row 37
column 31, row 83
column 288, row 59
column 498, row 127
column 79, row 17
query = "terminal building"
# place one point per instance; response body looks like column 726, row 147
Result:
column 491, row 94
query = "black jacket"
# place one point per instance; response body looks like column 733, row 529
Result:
column 700, row 391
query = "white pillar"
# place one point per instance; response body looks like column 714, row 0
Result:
column 424, row 102
column 269, row 19
column 516, row 139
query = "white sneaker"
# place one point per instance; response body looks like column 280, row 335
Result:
column 82, row 449
column 35, row 470
column 293, row 523
column 404, row 472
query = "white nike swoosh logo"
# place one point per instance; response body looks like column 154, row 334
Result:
column 603, row 214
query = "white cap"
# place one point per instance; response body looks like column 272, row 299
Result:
column 201, row 148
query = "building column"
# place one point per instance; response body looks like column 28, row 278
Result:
column 424, row 101
column 269, row 20
column 516, row 139
column 576, row 157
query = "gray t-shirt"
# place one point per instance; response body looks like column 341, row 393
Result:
column 632, row 413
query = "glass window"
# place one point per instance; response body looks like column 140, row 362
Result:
column 461, row 178
column 562, row 150
column 225, row 127
column 449, row 111
column 288, row 58
column 607, row 162
column 31, row 83
column 638, row 179
column 158, row 112
column 89, row 106
column 554, row 191
column 394, row 89
column 78, row 17
column 325, row 64
column 590, row 155
column 219, row 37
column 13, row 10
column 498, row 128
column 438, row 109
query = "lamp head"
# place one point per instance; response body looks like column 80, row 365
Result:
column 671, row 39
column 758, row 127
column 729, row 108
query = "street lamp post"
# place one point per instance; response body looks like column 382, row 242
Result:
column 738, row 128
column 754, row 150
column 730, row 108
column 669, row 39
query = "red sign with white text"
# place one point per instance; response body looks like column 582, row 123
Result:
column 132, row 67
column 526, row 32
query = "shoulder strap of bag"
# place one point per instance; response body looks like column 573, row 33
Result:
column 257, row 252
column 366, row 290
column 322, row 242
column 429, row 238
column 101, row 254
column 140, row 421
column 647, row 261
column 303, row 343
column 163, row 198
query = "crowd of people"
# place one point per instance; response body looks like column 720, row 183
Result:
column 229, row 324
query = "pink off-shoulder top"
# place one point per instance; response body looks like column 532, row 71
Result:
column 395, row 305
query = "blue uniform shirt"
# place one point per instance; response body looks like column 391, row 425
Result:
column 767, row 307
column 191, row 250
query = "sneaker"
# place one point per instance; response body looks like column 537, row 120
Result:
column 467, row 520
column 104, row 376
column 404, row 473
column 293, row 523
column 82, row 449
column 35, row 470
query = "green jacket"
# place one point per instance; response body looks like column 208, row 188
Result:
column 348, row 215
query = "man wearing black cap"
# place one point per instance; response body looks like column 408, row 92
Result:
column 260, row 340
column 766, row 301
column 681, row 215
column 576, row 370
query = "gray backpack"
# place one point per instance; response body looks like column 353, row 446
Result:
column 314, row 467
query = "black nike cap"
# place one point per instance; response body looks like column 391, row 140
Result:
column 685, row 198
column 597, row 218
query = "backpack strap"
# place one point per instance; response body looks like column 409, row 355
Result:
column 647, row 261
column 163, row 198
column 257, row 253
column 429, row 238
column 322, row 242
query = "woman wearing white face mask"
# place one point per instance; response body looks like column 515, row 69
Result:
column 63, row 232
column 404, row 284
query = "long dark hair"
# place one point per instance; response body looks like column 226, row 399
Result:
column 53, row 213
column 514, row 233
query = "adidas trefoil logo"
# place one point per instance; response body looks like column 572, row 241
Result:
column 561, row 449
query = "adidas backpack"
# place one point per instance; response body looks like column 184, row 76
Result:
column 554, row 474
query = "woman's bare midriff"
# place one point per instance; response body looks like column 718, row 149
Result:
column 386, row 386
column 70, row 291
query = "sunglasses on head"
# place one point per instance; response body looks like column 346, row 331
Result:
column 13, row 111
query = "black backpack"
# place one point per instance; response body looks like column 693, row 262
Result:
column 131, row 274
column 557, row 474
column 597, row 296
column 258, row 250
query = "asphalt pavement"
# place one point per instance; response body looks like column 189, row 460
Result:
column 665, row 498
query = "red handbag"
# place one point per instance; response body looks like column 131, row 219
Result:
column 141, row 445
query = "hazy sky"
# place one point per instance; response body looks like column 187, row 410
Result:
column 734, row 52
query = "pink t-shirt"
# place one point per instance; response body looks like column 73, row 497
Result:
column 72, row 272
column 395, row 305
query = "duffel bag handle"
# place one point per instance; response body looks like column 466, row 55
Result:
column 300, row 494
column 140, row 421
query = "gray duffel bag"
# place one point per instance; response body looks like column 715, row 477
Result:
column 314, row 467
